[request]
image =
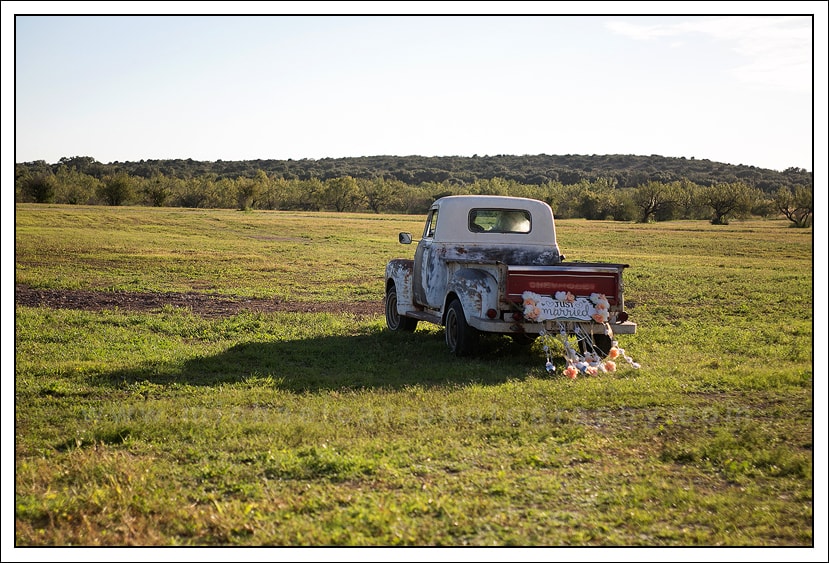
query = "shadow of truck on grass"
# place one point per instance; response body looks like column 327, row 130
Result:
column 377, row 360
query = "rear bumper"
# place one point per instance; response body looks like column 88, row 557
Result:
column 587, row 327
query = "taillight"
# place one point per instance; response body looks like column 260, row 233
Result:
column 492, row 313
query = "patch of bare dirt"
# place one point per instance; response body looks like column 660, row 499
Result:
column 201, row 304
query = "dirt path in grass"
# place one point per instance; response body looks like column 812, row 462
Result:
column 199, row 303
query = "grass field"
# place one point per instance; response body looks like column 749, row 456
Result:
column 283, row 428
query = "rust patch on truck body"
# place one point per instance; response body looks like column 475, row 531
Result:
column 513, row 254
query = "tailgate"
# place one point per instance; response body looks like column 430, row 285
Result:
column 579, row 279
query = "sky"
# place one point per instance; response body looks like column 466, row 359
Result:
column 131, row 86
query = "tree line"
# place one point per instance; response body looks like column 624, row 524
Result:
column 719, row 193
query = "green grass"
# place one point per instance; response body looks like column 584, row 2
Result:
column 289, row 256
column 168, row 428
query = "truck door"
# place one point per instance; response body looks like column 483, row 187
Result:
column 429, row 283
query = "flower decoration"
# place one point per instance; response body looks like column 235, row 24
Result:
column 601, row 306
column 531, row 310
column 592, row 361
column 597, row 298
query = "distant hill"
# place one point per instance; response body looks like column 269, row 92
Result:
column 627, row 171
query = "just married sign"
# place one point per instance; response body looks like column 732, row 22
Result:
column 565, row 306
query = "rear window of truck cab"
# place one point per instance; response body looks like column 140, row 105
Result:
column 500, row 221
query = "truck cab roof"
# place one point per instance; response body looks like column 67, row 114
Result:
column 492, row 219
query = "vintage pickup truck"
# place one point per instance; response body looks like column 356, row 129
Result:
column 491, row 264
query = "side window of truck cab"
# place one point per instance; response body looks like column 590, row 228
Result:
column 431, row 224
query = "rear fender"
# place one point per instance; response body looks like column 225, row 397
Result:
column 476, row 289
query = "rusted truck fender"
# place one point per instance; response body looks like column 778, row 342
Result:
column 476, row 288
column 399, row 272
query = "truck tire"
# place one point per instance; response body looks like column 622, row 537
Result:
column 524, row 339
column 601, row 342
column 460, row 337
column 394, row 320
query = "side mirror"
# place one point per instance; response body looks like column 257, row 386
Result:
column 405, row 238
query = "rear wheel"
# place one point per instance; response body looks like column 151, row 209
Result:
column 602, row 344
column 394, row 320
column 524, row 339
column 460, row 337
